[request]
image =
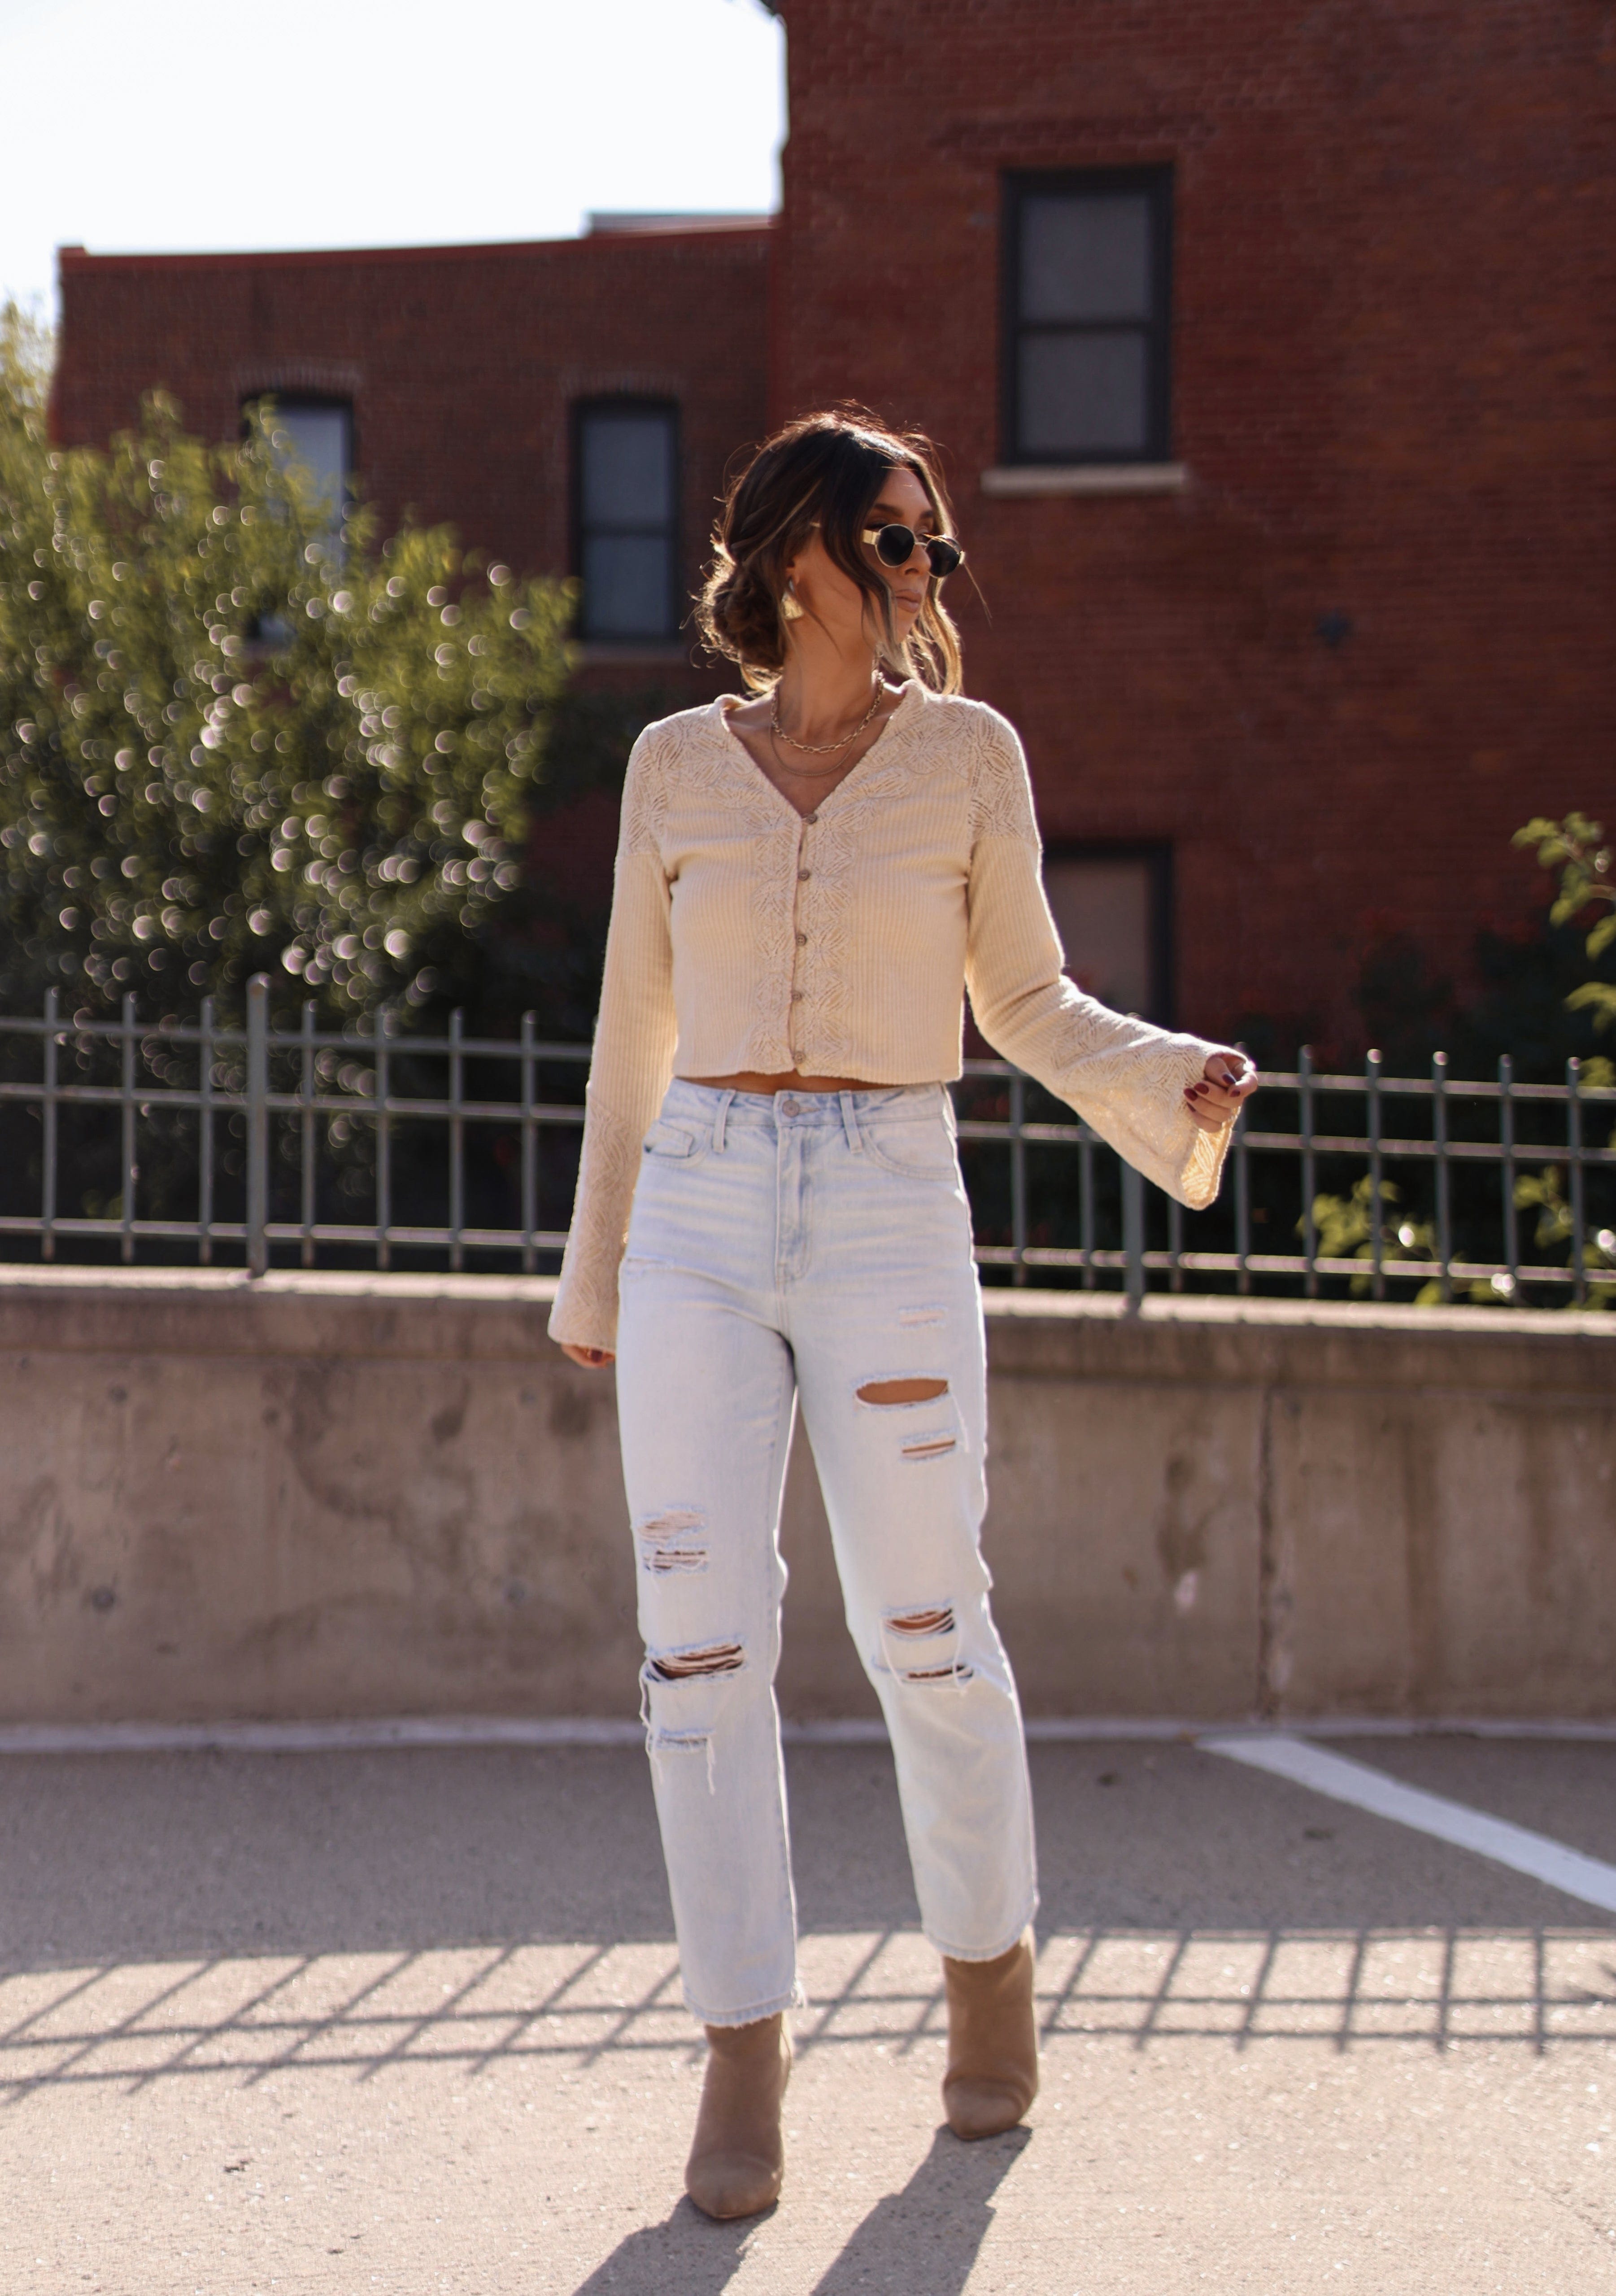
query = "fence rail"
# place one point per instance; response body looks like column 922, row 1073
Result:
column 270, row 1122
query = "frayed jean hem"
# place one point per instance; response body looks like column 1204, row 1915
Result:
column 991, row 1952
column 795, row 1999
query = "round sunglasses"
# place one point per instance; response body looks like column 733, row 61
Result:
column 894, row 546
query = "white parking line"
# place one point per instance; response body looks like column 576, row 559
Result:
column 1515, row 1846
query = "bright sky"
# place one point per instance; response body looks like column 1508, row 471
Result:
column 165, row 124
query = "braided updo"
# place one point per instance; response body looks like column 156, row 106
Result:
column 823, row 469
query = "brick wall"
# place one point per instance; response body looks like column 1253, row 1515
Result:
column 1395, row 390
column 462, row 363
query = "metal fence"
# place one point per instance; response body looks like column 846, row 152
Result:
column 262, row 1144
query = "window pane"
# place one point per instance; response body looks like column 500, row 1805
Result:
column 627, row 581
column 628, row 474
column 1083, row 394
column 316, row 438
column 1087, row 258
column 1102, row 911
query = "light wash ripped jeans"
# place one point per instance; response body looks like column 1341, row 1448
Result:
column 809, row 1246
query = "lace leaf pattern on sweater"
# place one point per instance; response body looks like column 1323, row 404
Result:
column 644, row 797
column 1129, row 1083
column 774, row 908
column 695, row 752
column 835, row 1050
column 1001, row 795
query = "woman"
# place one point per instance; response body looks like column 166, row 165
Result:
column 804, row 883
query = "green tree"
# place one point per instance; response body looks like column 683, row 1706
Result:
column 234, row 739
column 1575, row 854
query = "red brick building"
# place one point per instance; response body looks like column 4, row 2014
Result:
column 1272, row 351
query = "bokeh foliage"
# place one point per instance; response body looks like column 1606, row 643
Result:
column 234, row 738
column 1576, row 855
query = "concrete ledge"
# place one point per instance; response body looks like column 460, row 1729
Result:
column 355, row 1497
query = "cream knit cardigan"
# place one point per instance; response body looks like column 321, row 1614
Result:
column 744, row 935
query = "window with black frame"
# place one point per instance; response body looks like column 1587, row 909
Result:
column 626, row 482
column 1087, row 317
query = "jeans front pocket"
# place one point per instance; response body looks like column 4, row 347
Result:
column 674, row 1143
column 912, row 1148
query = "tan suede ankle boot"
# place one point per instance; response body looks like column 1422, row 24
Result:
column 993, row 2041
column 738, row 2157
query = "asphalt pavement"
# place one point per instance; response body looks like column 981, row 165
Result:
column 409, row 2021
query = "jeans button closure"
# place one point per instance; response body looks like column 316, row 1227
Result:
column 788, row 1107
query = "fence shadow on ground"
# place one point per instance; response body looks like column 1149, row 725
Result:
column 927, row 2236
column 163, row 1918
column 469, row 2009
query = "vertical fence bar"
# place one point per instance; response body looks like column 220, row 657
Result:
column 380, row 1027
column 1574, row 1142
column 307, row 1162
column 258, row 1124
column 1086, row 1207
column 1309, row 1169
column 1506, row 1157
column 456, row 1138
column 204, row 1135
column 1133, row 1230
column 1439, row 1125
column 1243, row 1201
column 47, row 1134
column 1377, row 1216
column 530, row 1149
column 125, row 1102
column 1018, row 1177
column 1174, row 1244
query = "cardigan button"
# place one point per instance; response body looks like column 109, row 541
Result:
column 809, row 819
column 802, row 940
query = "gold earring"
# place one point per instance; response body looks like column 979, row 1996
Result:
column 789, row 611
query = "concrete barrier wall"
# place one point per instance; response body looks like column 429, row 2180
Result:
column 340, row 1496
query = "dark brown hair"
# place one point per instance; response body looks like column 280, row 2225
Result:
column 823, row 469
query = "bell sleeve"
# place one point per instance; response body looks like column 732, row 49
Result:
column 1123, row 1077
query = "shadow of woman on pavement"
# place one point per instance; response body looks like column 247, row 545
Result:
column 929, row 2235
column 687, row 2252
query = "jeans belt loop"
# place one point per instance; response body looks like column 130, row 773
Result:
column 849, row 1123
column 719, row 1122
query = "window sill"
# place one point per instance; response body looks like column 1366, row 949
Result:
column 590, row 651
column 1086, row 479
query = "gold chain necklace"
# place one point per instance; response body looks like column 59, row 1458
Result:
column 821, row 748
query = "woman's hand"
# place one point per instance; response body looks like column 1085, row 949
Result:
column 1214, row 1100
column 591, row 1358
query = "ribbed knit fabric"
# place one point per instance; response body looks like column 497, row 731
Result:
column 746, row 935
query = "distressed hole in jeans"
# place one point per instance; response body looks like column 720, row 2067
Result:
column 887, row 1393
column 671, row 1543
column 692, row 1665
column 937, row 1445
column 919, row 1627
column 685, row 1741
column 912, row 1318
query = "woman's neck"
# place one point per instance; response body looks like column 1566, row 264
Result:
column 824, row 691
